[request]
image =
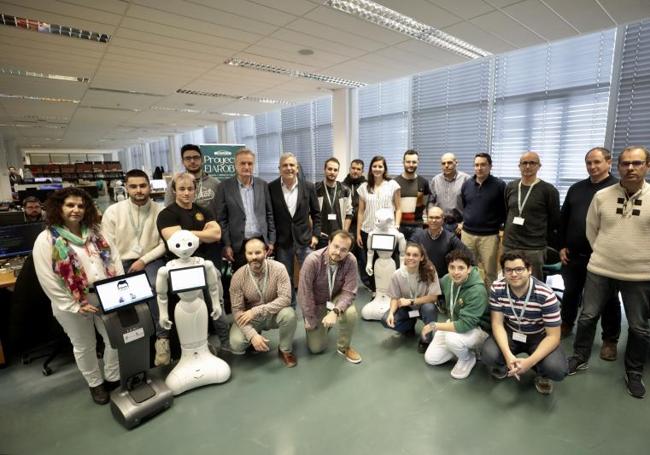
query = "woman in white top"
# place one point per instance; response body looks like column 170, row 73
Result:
column 379, row 192
column 69, row 256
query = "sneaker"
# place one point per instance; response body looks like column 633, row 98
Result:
column 543, row 385
column 350, row 355
column 163, row 354
column 463, row 368
column 608, row 351
column 288, row 358
column 422, row 346
column 575, row 365
column 100, row 394
column 498, row 373
column 635, row 385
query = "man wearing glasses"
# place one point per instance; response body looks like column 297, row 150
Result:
column 532, row 213
column 618, row 223
column 525, row 317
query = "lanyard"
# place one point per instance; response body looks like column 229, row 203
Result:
column 331, row 277
column 523, row 310
column 453, row 300
column 265, row 281
column 522, row 204
column 140, row 226
column 327, row 194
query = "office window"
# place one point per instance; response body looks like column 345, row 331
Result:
column 267, row 128
column 210, row 135
column 552, row 99
column 383, row 122
column 632, row 122
column 245, row 132
column 450, row 113
column 323, row 137
column 159, row 154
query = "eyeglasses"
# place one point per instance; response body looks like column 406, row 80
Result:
column 528, row 163
column 635, row 164
column 513, row 271
column 192, row 158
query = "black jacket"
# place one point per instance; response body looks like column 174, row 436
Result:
column 295, row 230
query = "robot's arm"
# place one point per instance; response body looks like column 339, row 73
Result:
column 371, row 256
column 401, row 242
column 161, row 291
column 214, row 288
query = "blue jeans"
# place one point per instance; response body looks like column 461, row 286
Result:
column 554, row 366
column 285, row 255
column 151, row 269
column 404, row 323
column 636, row 301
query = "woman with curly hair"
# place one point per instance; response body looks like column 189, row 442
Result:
column 69, row 256
column 413, row 291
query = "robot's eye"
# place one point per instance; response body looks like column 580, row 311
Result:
column 178, row 245
column 189, row 243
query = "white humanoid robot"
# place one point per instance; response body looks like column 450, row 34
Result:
column 197, row 366
column 384, row 268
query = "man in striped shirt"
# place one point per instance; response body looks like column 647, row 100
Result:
column 525, row 319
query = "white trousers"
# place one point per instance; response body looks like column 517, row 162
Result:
column 81, row 331
column 446, row 345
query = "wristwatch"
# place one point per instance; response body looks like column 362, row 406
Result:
column 337, row 311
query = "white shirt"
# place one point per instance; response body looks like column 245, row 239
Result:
column 290, row 196
column 382, row 198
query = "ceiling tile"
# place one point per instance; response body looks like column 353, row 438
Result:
column 422, row 11
column 507, row 29
column 627, row 10
column 540, row 19
column 585, row 15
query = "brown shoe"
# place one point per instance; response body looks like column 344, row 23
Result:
column 288, row 358
column 350, row 355
column 608, row 351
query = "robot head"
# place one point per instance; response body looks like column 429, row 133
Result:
column 183, row 244
column 384, row 219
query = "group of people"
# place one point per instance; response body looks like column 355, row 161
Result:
column 450, row 265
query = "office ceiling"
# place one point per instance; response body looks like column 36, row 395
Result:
column 160, row 46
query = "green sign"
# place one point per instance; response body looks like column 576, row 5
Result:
column 219, row 159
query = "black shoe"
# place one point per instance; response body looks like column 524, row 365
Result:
column 422, row 346
column 111, row 385
column 576, row 364
column 409, row 333
column 99, row 394
column 635, row 385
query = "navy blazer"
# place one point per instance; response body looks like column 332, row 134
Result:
column 295, row 230
column 231, row 215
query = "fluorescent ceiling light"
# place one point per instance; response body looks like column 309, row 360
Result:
column 45, row 27
column 397, row 22
column 195, row 111
column 39, row 98
column 126, row 92
column 58, row 77
column 293, row 73
column 233, row 97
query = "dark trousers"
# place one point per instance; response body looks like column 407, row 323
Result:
column 404, row 323
column 409, row 230
column 574, row 275
column 636, row 301
column 554, row 366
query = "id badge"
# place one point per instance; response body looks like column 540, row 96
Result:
column 331, row 216
column 137, row 248
column 330, row 305
column 414, row 314
column 519, row 221
column 520, row 337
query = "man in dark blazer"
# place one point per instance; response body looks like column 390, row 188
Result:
column 294, row 202
column 244, row 210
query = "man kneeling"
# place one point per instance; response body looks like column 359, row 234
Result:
column 260, row 296
column 525, row 318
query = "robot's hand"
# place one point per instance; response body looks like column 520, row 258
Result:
column 165, row 323
column 369, row 270
column 216, row 313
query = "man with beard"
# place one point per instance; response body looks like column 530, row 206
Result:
column 335, row 203
column 445, row 188
column 415, row 194
column 32, row 209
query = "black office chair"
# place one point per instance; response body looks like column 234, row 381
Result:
column 34, row 330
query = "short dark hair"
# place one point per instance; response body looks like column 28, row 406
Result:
column 606, row 153
column 188, row 147
column 135, row 173
column 487, row 156
column 635, row 147
column 55, row 201
column 410, row 152
column 29, row 199
column 513, row 256
column 332, row 160
column 358, row 161
column 342, row 233
column 459, row 255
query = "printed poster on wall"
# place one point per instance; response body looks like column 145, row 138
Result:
column 219, row 159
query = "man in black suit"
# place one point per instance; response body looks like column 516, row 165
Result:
column 244, row 210
column 294, row 202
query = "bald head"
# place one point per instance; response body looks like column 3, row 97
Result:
column 254, row 244
column 448, row 163
column 435, row 219
column 529, row 165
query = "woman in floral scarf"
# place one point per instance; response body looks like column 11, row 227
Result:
column 69, row 256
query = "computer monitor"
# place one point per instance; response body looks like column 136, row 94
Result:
column 158, row 185
column 187, row 279
column 18, row 239
column 122, row 291
column 11, row 218
column 383, row 242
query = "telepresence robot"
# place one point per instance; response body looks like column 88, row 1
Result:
column 188, row 276
column 129, row 325
column 383, row 239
